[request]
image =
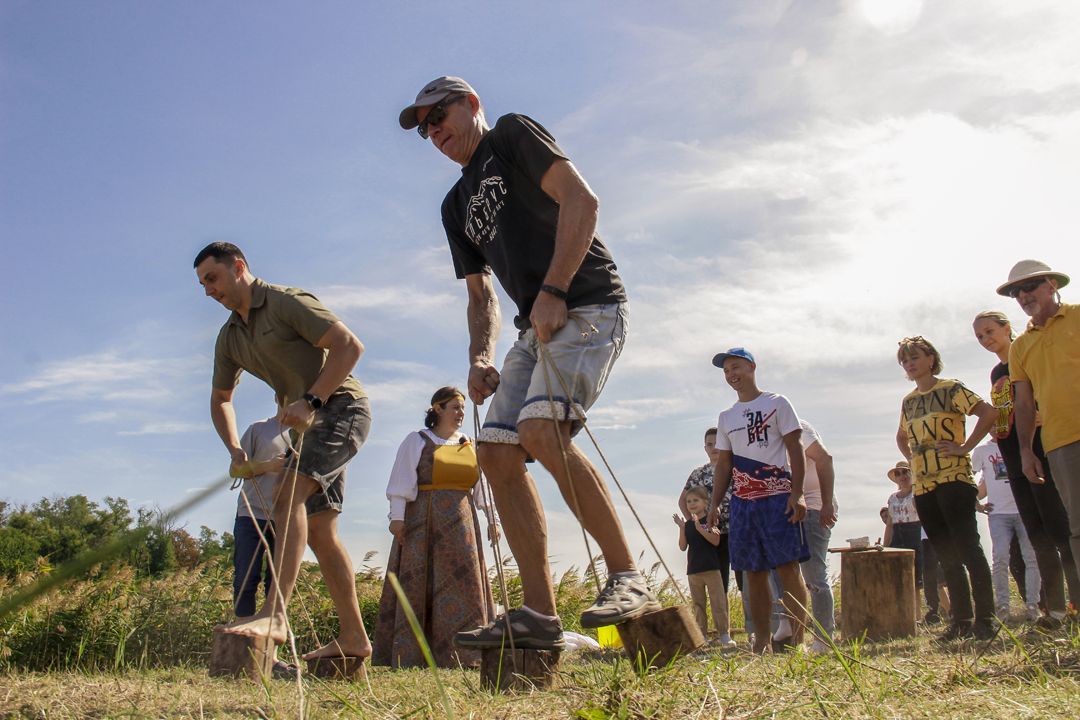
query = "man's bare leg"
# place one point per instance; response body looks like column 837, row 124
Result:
column 596, row 513
column 757, row 584
column 795, row 600
column 337, row 571
column 523, row 521
column 290, row 523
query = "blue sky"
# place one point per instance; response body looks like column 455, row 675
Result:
column 810, row 180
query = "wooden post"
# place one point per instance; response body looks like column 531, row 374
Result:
column 877, row 593
column 653, row 639
column 504, row 669
column 240, row 655
column 338, row 668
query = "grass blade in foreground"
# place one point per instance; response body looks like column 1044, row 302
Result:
column 419, row 634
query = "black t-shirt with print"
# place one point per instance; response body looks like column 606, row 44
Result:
column 498, row 219
column 701, row 555
column 1005, row 429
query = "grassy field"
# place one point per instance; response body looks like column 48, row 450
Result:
column 116, row 645
column 1038, row 677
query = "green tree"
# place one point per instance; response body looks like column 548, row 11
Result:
column 18, row 551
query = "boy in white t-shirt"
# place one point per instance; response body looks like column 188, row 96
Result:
column 1005, row 523
column 760, row 453
column 265, row 446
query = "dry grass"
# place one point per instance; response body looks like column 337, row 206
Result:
column 903, row 679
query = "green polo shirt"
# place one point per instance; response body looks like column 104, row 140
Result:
column 277, row 343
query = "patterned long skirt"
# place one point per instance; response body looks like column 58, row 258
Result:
column 440, row 566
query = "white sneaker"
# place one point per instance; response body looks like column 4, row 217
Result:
column 819, row 647
column 1031, row 612
column 783, row 630
column 725, row 641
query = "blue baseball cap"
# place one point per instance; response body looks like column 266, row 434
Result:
column 719, row 358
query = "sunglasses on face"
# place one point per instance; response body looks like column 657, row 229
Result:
column 436, row 115
column 1028, row 287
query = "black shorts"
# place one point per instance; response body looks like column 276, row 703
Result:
column 341, row 426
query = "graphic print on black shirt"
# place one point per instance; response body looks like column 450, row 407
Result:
column 498, row 219
column 1005, row 426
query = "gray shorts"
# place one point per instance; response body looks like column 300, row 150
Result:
column 584, row 351
column 340, row 429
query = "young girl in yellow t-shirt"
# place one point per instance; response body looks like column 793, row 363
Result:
column 932, row 437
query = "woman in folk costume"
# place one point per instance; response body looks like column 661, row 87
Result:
column 437, row 554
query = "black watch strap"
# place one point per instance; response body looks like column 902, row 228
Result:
column 313, row 401
column 552, row 290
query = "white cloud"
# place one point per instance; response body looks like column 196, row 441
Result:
column 166, row 428
column 409, row 301
column 104, row 375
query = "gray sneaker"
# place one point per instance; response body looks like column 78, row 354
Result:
column 623, row 598
column 528, row 632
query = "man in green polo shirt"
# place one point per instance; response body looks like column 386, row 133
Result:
column 288, row 339
column 1044, row 369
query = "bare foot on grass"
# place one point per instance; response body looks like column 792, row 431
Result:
column 341, row 648
column 258, row 627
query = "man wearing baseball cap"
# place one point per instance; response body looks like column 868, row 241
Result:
column 760, row 453
column 523, row 213
column 1044, row 369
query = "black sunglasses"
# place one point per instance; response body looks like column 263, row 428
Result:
column 1027, row 287
column 436, row 115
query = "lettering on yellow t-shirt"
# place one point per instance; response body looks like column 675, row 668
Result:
column 932, row 416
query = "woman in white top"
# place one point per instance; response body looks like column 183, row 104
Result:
column 436, row 553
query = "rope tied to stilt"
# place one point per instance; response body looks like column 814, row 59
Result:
column 548, row 363
column 489, row 511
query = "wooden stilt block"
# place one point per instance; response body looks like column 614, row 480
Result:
column 240, row 656
column 655, row 638
column 505, row 669
column 338, row 668
column 877, row 593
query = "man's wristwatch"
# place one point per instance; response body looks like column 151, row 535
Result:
column 552, row 290
column 313, row 401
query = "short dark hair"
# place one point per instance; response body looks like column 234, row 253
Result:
column 220, row 251
column 711, row 431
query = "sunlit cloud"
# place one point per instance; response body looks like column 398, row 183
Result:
column 104, row 375
column 165, row 428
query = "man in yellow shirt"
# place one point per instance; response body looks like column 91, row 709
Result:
column 1044, row 368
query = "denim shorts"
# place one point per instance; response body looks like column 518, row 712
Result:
column 584, row 351
column 341, row 426
column 761, row 538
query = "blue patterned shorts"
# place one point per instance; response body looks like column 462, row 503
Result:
column 761, row 538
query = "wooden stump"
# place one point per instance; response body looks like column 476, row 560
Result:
column 878, row 595
column 338, row 668
column 655, row 638
column 504, row 669
column 239, row 655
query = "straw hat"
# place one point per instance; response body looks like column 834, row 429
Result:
column 902, row 465
column 1028, row 269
